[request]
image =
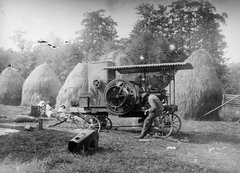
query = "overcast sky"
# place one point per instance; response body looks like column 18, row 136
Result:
column 63, row 18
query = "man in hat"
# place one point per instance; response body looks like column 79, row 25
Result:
column 156, row 108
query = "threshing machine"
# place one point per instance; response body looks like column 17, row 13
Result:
column 112, row 90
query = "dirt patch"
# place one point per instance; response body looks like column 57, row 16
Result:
column 5, row 131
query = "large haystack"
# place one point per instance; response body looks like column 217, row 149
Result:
column 76, row 85
column 119, row 58
column 41, row 84
column 11, row 83
column 198, row 91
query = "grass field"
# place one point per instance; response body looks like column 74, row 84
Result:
column 199, row 147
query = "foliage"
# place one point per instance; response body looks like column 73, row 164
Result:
column 231, row 84
column 22, row 58
column 61, row 55
column 198, row 26
column 98, row 29
column 113, row 45
column 3, row 59
column 188, row 25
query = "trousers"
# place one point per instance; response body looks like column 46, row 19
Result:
column 148, row 123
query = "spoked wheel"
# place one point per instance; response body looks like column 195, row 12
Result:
column 92, row 122
column 162, row 126
column 177, row 123
column 106, row 123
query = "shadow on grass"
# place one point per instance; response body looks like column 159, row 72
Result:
column 127, row 129
column 206, row 137
column 194, row 137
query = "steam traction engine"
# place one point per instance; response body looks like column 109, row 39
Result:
column 122, row 97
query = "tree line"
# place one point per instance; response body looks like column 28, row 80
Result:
column 161, row 34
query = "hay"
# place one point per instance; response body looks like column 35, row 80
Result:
column 11, row 83
column 76, row 85
column 119, row 58
column 41, row 84
column 198, row 91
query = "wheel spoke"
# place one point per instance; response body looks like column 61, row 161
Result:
column 121, row 88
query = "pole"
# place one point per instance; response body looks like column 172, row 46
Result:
column 220, row 106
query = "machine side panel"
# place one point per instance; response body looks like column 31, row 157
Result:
column 96, row 72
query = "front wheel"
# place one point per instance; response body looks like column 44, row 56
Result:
column 92, row 122
column 106, row 123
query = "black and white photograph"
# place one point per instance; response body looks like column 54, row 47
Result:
column 119, row 86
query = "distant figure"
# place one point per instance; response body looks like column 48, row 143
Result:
column 42, row 104
column 61, row 112
column 42, row 108
column 48, row 107
column 49, row 111
column 10, row 65
column 62, row 109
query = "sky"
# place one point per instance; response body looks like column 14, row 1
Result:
column 63, row 18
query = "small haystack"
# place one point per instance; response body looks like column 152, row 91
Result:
column 41, row 84
column 11, row 83
column 76, row 85
column 119, row 58
column 198, row 91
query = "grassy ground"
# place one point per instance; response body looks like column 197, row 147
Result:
column 199, row 147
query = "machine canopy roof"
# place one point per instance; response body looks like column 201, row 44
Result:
column 147, row 68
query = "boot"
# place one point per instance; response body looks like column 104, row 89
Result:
column 142, row 135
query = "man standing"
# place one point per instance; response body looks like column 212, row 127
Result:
column 156, row 108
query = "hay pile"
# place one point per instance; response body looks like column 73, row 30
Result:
column 76, row 85
column 11, row 83
column 119, row 58
column 198, row 91
column 41, row 84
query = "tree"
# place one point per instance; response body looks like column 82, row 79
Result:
column 153, row 48
column 61, row 55
column 231, row 80
column 189, row 25
column 24, row 61
column 113, row 45
column 155, row 24
column 4, row 59
column 197, row 25
column 97, row 30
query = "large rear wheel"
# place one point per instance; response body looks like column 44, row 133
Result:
column 177, row 123
column 162, row 126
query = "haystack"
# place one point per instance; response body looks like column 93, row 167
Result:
column 41, row 84
column 119, row 58
column 198, row 91
column 76, row 85
column 11, row 83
